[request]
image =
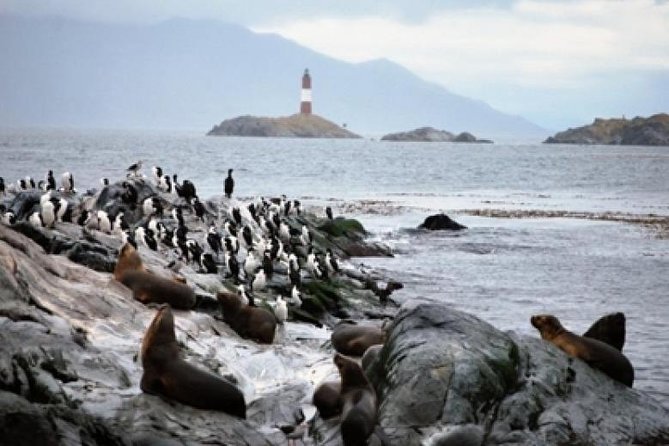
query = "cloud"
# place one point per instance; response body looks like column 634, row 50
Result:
column 559, row 44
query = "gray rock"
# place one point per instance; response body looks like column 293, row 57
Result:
column 441, row 222
column 442, row 369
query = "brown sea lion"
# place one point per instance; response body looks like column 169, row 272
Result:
column 358, row 400
column 354, row 340
column 147, row 287
column 248, row 322
column 609, row 329
column 596, row 353
column 327, row 399
column 168, row 375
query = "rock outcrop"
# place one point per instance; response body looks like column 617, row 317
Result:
column 652, row 131
column 430, row 134
column 294, row 126
column 441, row 222
column 445, row 377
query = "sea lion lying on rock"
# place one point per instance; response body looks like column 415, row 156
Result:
column 358, row 402
column 609, row 329
column 147, row 287
column 166, row 374
column 248, row 322
column 596, row 353
column 354, row 340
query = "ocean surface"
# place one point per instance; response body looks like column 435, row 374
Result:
column 501, row 269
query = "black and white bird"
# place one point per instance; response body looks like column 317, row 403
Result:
column 214, row 240
column 284, row 232
column 236, row 215
column 331, row 262
column 188, row 191
column 267, row 265
column 104, row 224
column 231, row 244
column 35, row 219
column 229, row 184
column 2, row 187
column 146, row 238
column 127, row 237
column 158, row 228
column 67, row 182
column 195, row 250
column 50, row 181
column 305, row 236
column 244, row 296
column 165, row 184
column 296, row 297
column 129, row 195
column 8, row 218
column 157, row 174
column 280, row 310
column 119, row 225
column 232, row 265
column 84, row 217
column 199, row 209
column 178, row 216
column 208, row 264
column 230, row 228
column 247, row 236
column 259, row 281
column 134, row 169
column 328, row 212
column 104, row 182
column 152, row 206
column 251, row 263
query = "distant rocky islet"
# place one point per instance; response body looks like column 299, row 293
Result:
column 430, row 134
column 299, row 125
column 651, row 131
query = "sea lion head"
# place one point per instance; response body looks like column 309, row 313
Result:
column 548, row 325
column 128, row 260
column 351, row 373
column 229, row 302
column 159, row 337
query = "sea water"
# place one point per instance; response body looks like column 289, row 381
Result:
column 501, row 269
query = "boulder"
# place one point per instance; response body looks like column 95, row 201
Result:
column 441, row 222
column 446, row 377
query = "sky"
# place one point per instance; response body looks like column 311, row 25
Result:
column 556, row 62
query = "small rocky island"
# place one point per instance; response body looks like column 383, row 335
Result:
column 652, row 131
column 299, row 125
column 430, row 134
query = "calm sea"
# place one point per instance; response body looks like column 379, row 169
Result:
column 502, row 270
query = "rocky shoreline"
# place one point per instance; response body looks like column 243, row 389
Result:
column 70, row 364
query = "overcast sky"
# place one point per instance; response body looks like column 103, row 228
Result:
column 558, row 63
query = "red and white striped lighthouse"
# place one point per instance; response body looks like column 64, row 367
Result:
column 305, row 104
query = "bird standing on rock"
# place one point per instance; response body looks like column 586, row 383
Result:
column 134, row 169
column 229, row 184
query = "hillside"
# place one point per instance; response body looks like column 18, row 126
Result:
column 295, row 126
column 187, row 74
column 652, row 131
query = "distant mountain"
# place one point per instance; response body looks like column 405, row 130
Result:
column 189, row 74
column 651, row 131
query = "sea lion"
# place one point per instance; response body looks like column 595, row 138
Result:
column 147, row 287
column 354, row 340
column 168, row 375
column 327, row 399
column 358, row 400
column 609, row 329
column 248, row 322
column 596, row 353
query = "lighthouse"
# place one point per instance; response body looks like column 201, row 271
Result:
column 305, row 104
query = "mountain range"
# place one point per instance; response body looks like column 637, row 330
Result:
column 192, row 74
